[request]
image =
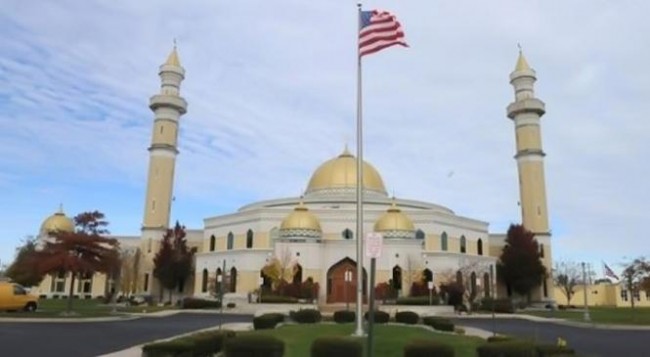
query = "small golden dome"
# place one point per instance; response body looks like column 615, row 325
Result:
column 301, row 218
column 522, row 64
column 341, row 173
column 57, row 222
column 172, row 59
column 394, row 220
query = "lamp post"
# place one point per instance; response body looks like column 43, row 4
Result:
column 584, row 285
column 348, row 279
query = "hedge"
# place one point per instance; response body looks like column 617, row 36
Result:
column 277, row 299
column 504, row 306
column 254, row 345
column 417, row 300
column 428, row 348
column 507, row 349
column 554, row 351
column 380, row 317
column 407, row 317
column 499, row 338
column 306, row 316
column 267, row 321
column 344, row 316
column 195, row 303
column 197, row 345
column 338, row 346
column 438, row 323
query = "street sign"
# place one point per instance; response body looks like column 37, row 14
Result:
column 430, row 285
column 374, row 243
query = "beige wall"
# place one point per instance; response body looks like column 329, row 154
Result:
column 601, row 295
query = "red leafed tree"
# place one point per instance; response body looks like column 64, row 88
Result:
column 173, row 263
column 520, row 266
column 85, row 251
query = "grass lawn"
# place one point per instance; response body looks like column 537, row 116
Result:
column 81, row 308
column 604, row 315
column 389, row 339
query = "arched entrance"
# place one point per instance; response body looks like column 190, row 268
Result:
column 338, row 290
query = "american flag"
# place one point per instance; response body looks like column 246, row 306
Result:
column 379, row 29
column 609, row 272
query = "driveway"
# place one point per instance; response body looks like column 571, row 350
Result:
column 65, row 339
column 585, row 340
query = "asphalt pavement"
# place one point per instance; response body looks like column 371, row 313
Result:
column 586, row 341
column 85, row 339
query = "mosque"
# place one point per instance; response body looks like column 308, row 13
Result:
column 315, row 233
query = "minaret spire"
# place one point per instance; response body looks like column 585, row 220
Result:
column 526, row 112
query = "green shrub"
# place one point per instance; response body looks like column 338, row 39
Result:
column 499, row 338
column 428, row 348
column 194, row 303
column 506, row 349
column 380, row 317
column 504, row 306
column 343, row 316
column 407, row 317
column 338, row 346
column 306, row 316
column 438, row 323
column 254, row 345
column 277, row 299
column 211, row 342
column 267, row 321
column 231, row 305
column 554, row 351
column 181, row 347
column 417, row 300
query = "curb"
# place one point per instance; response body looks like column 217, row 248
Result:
column 68, row 319
column 558, row 321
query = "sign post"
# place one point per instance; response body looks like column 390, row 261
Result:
column 430, row 286
column 260, row 283
column 374, row 244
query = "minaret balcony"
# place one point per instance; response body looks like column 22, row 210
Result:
column 170, row 101
column 532, row 105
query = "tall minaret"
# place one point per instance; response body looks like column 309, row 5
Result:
column 526, row 112
column 168, row 106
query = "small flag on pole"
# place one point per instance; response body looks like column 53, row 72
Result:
column 609, row 272
column 379, row 30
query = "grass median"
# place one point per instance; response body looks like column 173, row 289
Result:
column 601, row 315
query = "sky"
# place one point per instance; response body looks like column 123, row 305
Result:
column 271, row 91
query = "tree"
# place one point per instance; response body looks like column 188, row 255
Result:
column 471, row 280
column 129, row 271
column 566, row 276
column 85, row 251
column 520, row 266
column 23, row 269
column 173, row 263
column 635, row 276
column 281, row 268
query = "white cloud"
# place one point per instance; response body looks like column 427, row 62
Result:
column 271, row 92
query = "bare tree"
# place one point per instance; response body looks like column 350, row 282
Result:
column 635, row 276
column 471, row 277
column 412, row 272
column 130, row 260
column 280, row 268
column 567, row 275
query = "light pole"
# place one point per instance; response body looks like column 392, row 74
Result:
column 494, row 295
column 584, row 285
column 348, row 279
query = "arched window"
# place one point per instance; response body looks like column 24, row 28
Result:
column 541, row 250
column 427, row 275
column 231, row 241
column 212, row 242
column 274, row 233
column 218, row 281
column 266, row 280
column 463, row 244
column 347, row 234
column 545, row 287
column 479, row 246
column 249, row 239
column 233, row 280
column 397, row 277
column 443, row 241
column 204, row 281
column 486, row 285
column 472, row 285
column 297, row 274
column 149, row 245
column 419, row 234
column 459, row 277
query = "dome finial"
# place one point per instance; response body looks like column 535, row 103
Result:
column 522, row 64
column 172, row 59
column 346, row 151
column 60, row 208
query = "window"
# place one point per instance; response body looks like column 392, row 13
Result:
column 472, row 284
column 541, row 250
column 459, row 277
column 231, row 239
column 463, row 244
column 443, row 241
column 275, row 233
column 161, row 129
column 149, row 243
column 204, row 281
column 297, row 274
column 347, row 234
column 486, row 285
column 249, row 239
column 397, row 277
column 624, row 295
column 233, row 280
column 218, row 279
column 479, row 246
column 146, row 282
column 212, row 242
column 153, row 205
column 636, row 295
column 545, row 288
column 419, row 234
column 428, row 275
column 19, row 290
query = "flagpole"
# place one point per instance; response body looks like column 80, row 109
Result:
column 359, row 328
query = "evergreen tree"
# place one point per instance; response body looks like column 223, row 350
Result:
column 173, row 264
column 520, row 266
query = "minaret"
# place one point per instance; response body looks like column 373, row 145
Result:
column 168, row 106
column 526, row 112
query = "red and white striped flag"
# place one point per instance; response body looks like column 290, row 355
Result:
column 379, row 30
column 609, row 272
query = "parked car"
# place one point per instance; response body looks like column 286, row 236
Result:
column 15, row 297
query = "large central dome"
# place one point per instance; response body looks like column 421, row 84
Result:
column 339, row 175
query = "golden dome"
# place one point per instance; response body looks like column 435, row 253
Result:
column 57, row 222
column 394, row 220
column 172, row 59
column 522, row 64
column 341, row 172
column 301, row 218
